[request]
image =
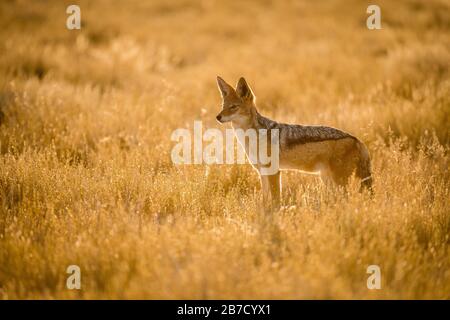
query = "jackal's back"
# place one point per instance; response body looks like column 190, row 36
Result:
column 292, row 135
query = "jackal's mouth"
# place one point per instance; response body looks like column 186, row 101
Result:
column 219, row 118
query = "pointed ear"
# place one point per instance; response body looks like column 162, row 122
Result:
column 243, row 90
column 225, row 88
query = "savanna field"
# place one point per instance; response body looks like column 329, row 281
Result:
column 86, row 176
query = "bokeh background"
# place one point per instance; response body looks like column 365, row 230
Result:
column 85, row 172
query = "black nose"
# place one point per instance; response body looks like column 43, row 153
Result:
column 219, row 117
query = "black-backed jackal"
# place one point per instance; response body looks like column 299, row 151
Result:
column 332, row 153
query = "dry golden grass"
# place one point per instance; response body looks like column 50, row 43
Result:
column 85, row 170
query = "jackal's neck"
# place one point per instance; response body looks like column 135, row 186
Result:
column 265, row 123
column 254, row 121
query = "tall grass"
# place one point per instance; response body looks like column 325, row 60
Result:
column 85, row 170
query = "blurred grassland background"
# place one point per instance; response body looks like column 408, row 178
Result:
column 85, row 170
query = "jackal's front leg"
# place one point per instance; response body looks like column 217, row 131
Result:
column 271, row 189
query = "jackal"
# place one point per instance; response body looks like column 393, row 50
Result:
column 329, row 152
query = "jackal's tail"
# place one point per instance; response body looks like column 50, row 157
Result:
column 363, row 171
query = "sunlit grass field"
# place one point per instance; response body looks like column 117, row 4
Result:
column 86, row 176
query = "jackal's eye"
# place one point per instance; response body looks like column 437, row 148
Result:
column 234, row 107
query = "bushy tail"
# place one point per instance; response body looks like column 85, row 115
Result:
column 363, row 171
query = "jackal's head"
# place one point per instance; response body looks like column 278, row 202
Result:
column 237, row 104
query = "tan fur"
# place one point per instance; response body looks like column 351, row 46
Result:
column 333, row 154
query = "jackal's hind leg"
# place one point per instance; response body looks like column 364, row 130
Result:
column 326, row 175
column 343, row 169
